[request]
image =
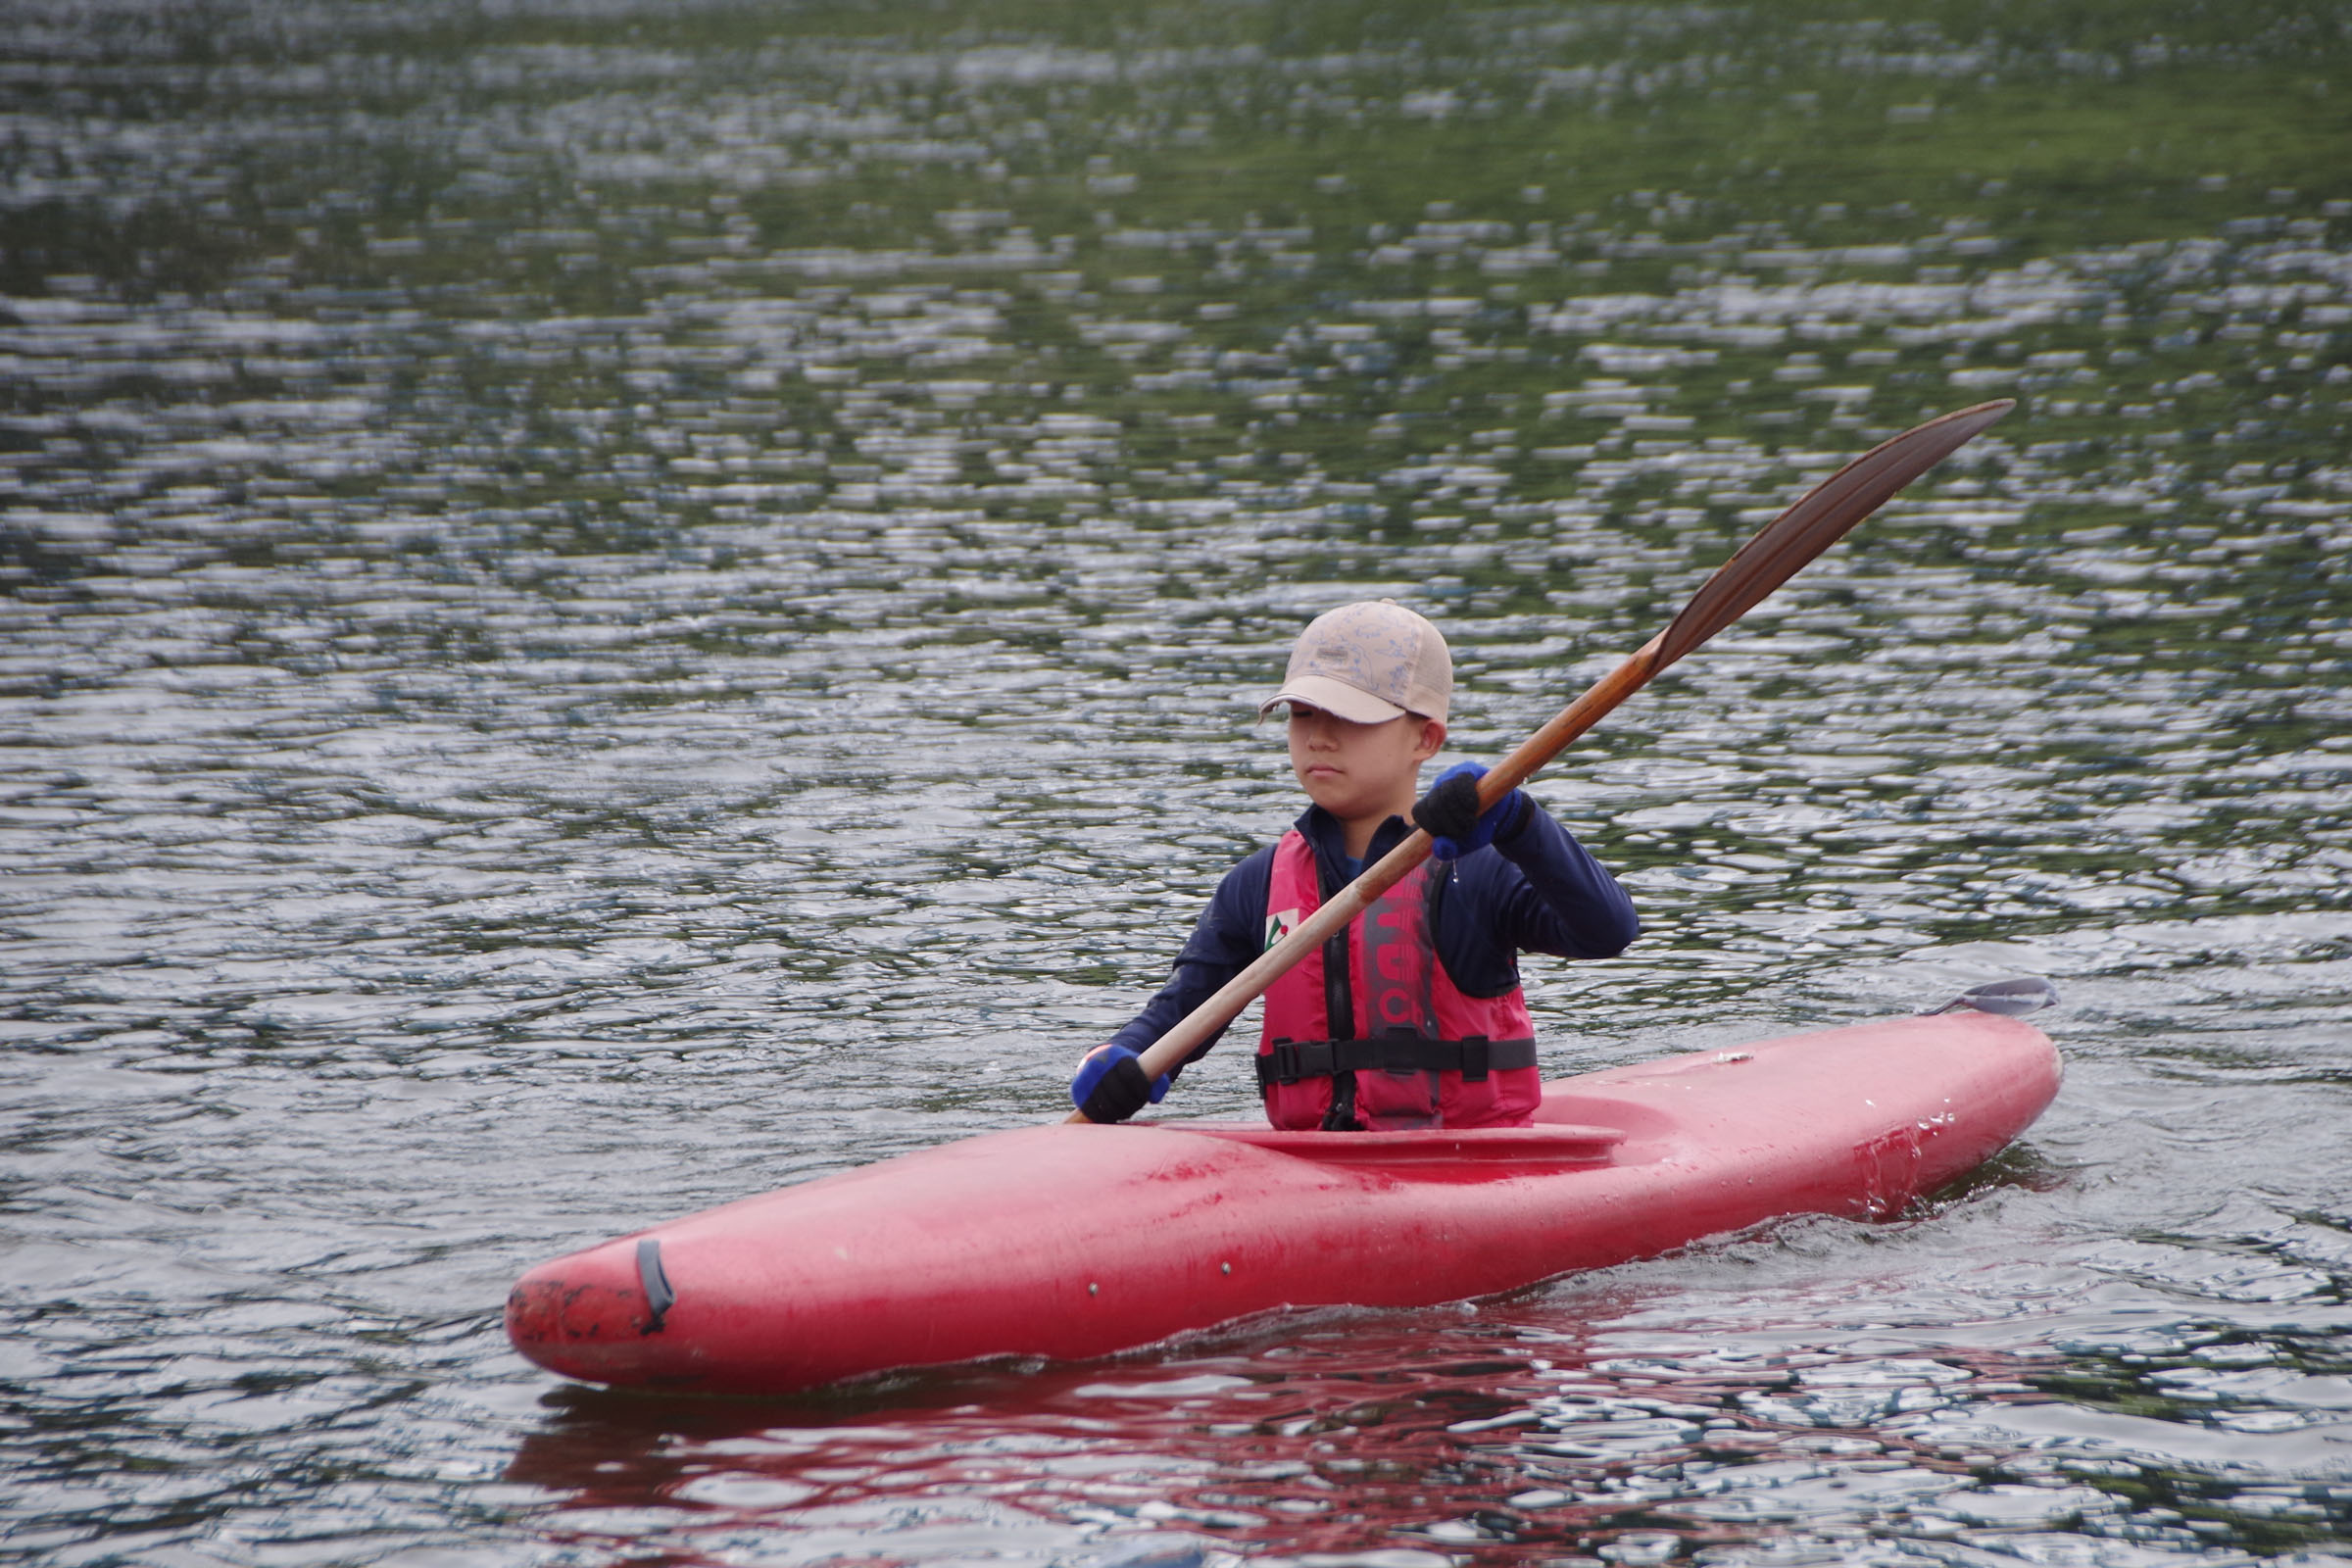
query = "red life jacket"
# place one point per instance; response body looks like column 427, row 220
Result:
column 1417, row 1051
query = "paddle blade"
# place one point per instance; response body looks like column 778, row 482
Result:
column 1817, row 521
column 2008, row 998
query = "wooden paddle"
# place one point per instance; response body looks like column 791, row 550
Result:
column 1818, row 520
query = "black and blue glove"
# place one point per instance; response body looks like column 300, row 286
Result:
column 1111, row 1087
column 1448, row 813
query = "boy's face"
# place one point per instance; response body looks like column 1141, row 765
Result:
column 1357, row 770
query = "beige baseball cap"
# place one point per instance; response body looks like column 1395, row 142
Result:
column 1368, row 662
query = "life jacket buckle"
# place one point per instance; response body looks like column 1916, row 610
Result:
column 1475, row 1059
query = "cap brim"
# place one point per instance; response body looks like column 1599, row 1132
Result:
column 1333, row 697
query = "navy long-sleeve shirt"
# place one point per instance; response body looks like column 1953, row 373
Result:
column 1536, row 891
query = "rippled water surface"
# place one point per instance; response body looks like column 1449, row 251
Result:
column 609, row 605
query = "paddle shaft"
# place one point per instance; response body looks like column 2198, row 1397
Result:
column 1818, row 519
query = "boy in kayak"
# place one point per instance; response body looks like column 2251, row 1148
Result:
column 1413, row 1016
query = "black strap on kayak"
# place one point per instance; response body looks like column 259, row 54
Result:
column 1291, row 1060
column 658, row 1297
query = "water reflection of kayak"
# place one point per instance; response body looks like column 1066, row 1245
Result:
column 1069, row 1241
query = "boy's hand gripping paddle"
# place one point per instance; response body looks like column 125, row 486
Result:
column 1818, row 520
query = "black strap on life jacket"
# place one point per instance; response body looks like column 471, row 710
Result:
column 1291, row 1060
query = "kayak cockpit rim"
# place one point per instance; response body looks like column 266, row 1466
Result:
column 1543, row 1143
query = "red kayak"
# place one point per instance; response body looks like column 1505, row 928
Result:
column 1075, row 1241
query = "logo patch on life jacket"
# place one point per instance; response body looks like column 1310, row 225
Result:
column 1281, row 925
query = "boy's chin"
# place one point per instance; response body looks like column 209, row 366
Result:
column 1338, row 803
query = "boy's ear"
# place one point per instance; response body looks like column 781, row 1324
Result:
column 1433, row 740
